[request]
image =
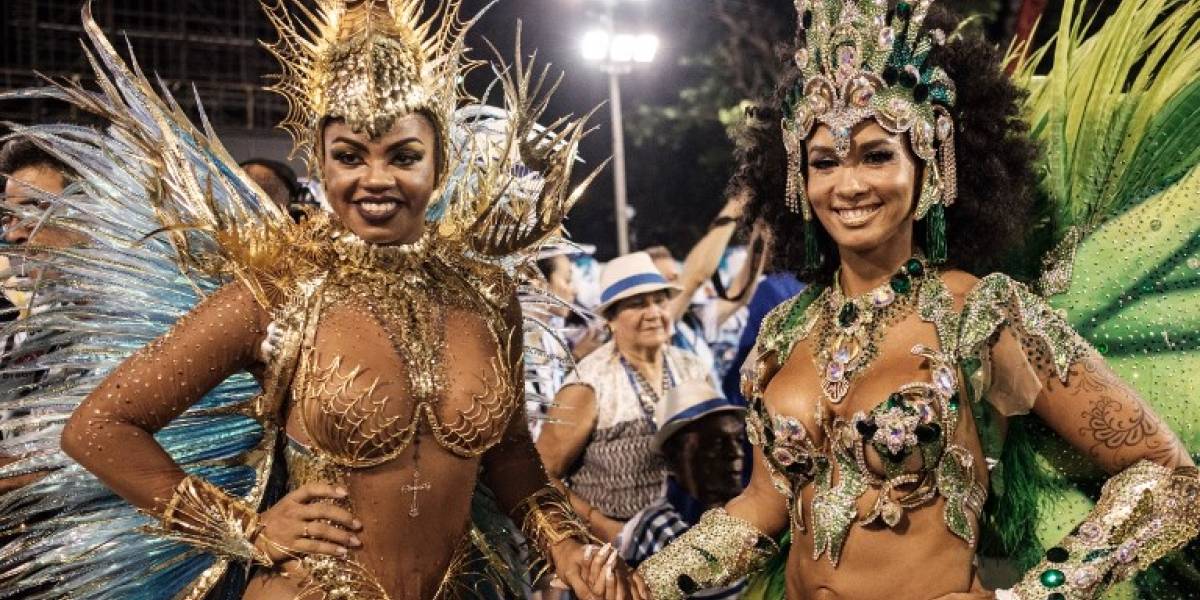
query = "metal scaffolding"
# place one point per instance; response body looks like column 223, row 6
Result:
column 211, row 44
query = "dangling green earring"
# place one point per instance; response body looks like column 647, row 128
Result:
column 935, row 234
column 813, row 256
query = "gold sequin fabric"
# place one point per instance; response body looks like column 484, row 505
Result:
column 717, row 551
column 1143, row 513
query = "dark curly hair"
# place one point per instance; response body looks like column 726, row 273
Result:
column 989, row 224
column 22, row 152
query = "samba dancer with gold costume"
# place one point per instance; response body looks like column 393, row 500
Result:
column 388, row 437
column 915, row 411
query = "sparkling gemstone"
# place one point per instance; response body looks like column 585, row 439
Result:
column 883, row 297
column 847, row 56
column 686, row 584
column 862, row 94
column 801, row 58
column 789, row 430
column 1052, row 578
column 928, row 432
column 1126, row 552
column 914, row 267
column 866, row 428
column 783, row 456
column 803, row 464
column 890, row 74
column 1057, row 554
column 895, row 401
column 843, row 353
column 901, row 284
column 921, row 94
column 900, row 108
column 944, row 127
column 1090, row 532
column 903, row 9
column 891, row 513
column 848, row 315
column 924, row 412
column 887, row 37
column 1085, row 577
column 835, row 372
column 943, row 378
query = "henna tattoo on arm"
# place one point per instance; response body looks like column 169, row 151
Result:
column 1114, row 425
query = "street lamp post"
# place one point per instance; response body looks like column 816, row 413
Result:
column 620, row 202
column 616, row 54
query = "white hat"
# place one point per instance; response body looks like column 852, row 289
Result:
column 685, row 404
column 627, row 276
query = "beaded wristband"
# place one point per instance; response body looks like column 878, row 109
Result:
column 717, row 551
column 1143, row 513
column 205, row 516
column 549, row 519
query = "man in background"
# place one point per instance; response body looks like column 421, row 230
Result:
column 700, row 435
column 33, row 178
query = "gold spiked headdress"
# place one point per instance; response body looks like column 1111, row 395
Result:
column 368, row 62
column 867, row 59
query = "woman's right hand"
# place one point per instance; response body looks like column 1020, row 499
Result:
column 304, row 523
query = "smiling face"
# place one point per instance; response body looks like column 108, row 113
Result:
column 864, row 200
column 379, row 188
column 641, row 321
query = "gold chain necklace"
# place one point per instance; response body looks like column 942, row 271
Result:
column 850, row 329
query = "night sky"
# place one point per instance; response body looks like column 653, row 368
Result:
column 554, row 28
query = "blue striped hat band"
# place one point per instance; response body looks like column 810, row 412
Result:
column 621, row 285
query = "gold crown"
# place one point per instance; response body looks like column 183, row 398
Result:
column 368, row 62
column 867, row 59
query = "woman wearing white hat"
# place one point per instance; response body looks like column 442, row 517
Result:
column 600, row 434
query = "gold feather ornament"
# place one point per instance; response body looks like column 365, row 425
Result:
column 368, row 63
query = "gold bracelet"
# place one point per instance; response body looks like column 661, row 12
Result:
column 1143, row 513
column 205, row 516
column 716, row 552
column 549, row 519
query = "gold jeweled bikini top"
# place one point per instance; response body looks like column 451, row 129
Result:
column 414, row 293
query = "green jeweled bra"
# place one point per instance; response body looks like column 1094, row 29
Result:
column 910, row 430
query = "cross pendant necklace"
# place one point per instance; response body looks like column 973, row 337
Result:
column 417, row 486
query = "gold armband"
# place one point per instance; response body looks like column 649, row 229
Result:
column 549, row 519
column 203, row 515
column 1143, row 513
column 718, row 551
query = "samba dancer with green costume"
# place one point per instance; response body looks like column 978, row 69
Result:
column 933, row 401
